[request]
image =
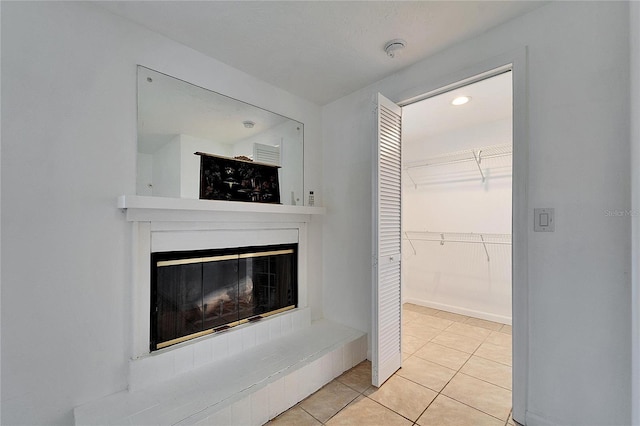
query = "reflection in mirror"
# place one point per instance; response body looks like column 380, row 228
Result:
column 177, row 119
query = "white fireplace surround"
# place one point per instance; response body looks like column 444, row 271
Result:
column 242, row 376
column 167, row 224
column 180, row 236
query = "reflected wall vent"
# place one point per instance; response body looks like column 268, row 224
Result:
column 266, row 154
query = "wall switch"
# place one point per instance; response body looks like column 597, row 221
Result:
column 544, row 220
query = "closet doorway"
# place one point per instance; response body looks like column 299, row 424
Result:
column 457, row 254
column 456, row 200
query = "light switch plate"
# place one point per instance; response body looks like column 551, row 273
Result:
column 544, row 220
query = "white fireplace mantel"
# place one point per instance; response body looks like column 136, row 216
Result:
column 141, row 209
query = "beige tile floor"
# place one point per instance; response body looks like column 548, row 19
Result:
column 456, row 370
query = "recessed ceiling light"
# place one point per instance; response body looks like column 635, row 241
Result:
column 248, row 124
column 460, row 100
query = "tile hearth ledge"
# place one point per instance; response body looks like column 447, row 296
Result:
column 140, row 208
column 244, row 389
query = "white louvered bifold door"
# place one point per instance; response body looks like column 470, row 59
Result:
column 387, row 229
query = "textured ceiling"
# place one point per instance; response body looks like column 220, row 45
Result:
column 319, row 50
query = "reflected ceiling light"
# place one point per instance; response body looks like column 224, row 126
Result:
column 393, row 47
column 461, row 100
column 248, row 124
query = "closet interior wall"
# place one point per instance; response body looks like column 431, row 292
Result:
column 457, row 225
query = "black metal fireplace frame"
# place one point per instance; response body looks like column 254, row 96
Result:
column 190, row 254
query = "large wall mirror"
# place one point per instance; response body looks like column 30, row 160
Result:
column 177, row 119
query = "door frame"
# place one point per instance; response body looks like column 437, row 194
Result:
column 516, row 62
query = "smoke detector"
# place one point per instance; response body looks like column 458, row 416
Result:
column 248, row 124
column 394, row 46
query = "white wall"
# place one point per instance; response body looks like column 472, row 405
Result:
column 167, row 170
column 291, row 189
column 144, row 180
column 68, row 150
column 635, row 200
column 453, row 198
column 579, row 359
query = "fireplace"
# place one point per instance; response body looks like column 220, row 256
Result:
column 199, row 292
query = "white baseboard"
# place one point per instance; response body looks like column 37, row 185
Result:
column 460, row 310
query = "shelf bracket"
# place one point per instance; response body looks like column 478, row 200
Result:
column 415, row 185
column 477, row 159
column 485, row 247
column 411, row 243
column 441, row 239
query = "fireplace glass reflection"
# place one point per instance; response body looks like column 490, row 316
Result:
column 200, row 292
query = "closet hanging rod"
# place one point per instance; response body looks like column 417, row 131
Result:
column 476, row 155
column 458, row 237
column 428, row 163
column 460, row 241
column 466, row 237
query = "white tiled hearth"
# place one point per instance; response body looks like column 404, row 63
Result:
column 245, row 375
column 165, row 364
column 246, row 388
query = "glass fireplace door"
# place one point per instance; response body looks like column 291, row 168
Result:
column 201, row 292
column 271, row 276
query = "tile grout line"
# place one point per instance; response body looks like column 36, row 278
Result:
column 390, row 409
column 344, row 384
column 298, row 404
column 458, row 371
column 302, row 408
column 336, row 413
column 506, row 423
column 438, row 393
column 413, row 422
column 483, row 340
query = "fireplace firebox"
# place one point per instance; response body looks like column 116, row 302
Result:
column 194, row 293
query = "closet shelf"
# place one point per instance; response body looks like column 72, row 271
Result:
column 471, row 156
column 458, row 237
